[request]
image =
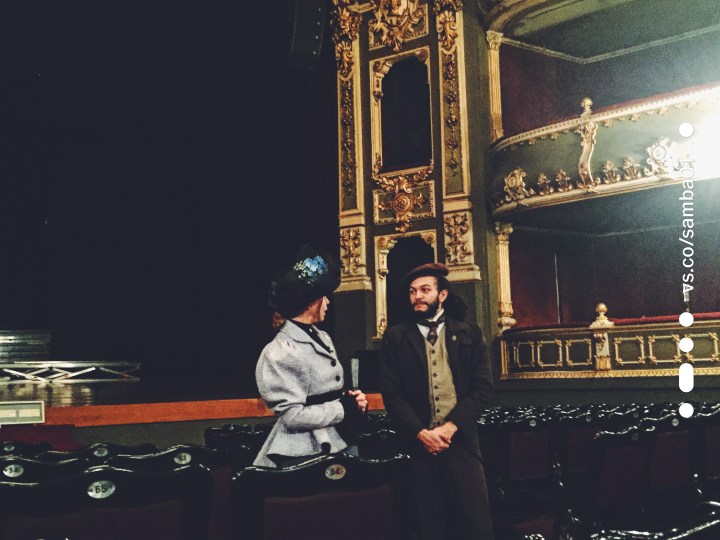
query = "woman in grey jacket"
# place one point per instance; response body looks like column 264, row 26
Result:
column 298, row 373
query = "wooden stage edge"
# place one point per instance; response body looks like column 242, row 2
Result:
column 180, row 411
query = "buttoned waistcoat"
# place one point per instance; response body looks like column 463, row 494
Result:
column 404, row 378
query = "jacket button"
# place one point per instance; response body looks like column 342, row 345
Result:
column 337, row 377
column 333, row 363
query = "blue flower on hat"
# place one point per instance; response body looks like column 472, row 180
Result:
column 311, row 270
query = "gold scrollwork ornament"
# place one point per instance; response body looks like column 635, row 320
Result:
column 515, row 186
column 401, row 198
column 394, row 21
column 345, row 25
column 662, row 158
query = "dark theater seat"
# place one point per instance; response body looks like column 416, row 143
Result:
column 114, row 504
column 19, row 448
column 27, row 470
column 222, row 463
column 326, row 498
column 97, row 453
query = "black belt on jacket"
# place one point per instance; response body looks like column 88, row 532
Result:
column 324, row 398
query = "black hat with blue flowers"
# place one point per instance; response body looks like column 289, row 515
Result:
column 311, row 275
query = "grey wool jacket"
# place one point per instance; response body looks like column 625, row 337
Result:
column 291, row 368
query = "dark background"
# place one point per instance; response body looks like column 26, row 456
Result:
column 158, row 161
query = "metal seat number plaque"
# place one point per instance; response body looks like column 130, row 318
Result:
column 14, row 470
column 335, row 472
column 183, row 458
column 101, row 489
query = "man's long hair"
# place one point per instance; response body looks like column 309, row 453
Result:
column 454, row 305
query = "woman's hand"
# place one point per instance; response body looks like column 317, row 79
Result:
column 360, row 399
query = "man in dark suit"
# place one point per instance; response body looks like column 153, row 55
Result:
column 435, row 380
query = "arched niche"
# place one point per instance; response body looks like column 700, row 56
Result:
column 407, row 254
column 413, row 250
column 401, row 112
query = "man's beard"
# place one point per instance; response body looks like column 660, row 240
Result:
column 432, row 309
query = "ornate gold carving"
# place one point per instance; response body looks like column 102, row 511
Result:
column 588, row 360
column 715, row 354
column 494, row 40
column 451, row 119
column 515, row 186
column 539, row 345
column 564, row 182
column 394, row 22
column 502, row 248
column 400, row 198
column 651, row 357
column 662, row 158
column 601, row 321
column 640, row 358
column 345, row 26
column 347, row 136
column 544, row 185
column 383, row 208
column 603, row 363
column 457, row 248
column 587, row 133
column 446, row 21
column 631, row 170
column 382, row 326
column 352, row 256
column 503, row 231
column 612, row 174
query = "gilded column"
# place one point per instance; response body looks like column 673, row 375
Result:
column 345, row 24
column 455, row 167
column 502, row 244
column 494, row 40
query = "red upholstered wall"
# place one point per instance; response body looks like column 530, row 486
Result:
column 576, row 279
column 532, row 275
column 636, row 274
column 536, row 89
column 640, row 274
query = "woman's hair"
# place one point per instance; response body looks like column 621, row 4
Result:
column 277, row 321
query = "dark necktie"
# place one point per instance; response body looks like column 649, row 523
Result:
column 433, row 326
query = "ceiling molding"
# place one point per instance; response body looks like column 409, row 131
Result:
column 615, row 54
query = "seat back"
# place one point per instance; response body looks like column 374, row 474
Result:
column 182, row 455
column 19, row 448
column 231, row 436
column 325, row 498
column 104, row 501
column 97, row 453
column 25, row 470
column 617, row 493
column 380, row 444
